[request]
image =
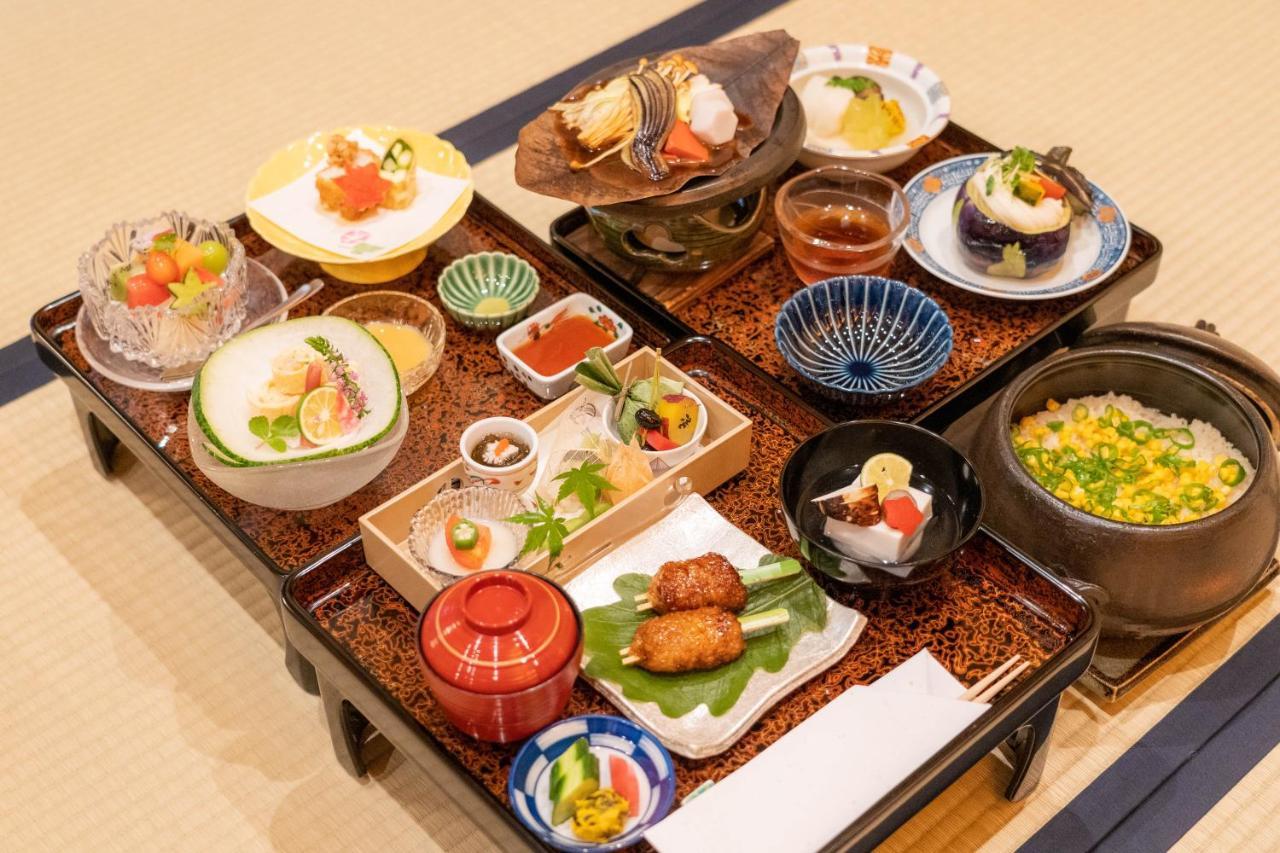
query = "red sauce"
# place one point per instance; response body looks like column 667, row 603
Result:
column 563, row 344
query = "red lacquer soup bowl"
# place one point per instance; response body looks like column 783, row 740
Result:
column 500, row 651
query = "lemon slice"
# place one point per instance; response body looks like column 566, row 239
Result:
column 886, row 471
column 319, row 415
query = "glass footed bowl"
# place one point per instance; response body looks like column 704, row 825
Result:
column 156, row 334
column 490, row 504
column 299, row 485
column 392, row 306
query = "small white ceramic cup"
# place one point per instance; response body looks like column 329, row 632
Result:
column 661, row 460
column 515, row 478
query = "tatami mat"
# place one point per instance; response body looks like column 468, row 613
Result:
column 145, row 704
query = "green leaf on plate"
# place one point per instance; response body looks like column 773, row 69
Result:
column 259, row 426
column 610, row 627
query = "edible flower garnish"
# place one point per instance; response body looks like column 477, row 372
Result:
column 343, row 376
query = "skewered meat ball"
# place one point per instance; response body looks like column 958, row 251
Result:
column 688, row 640
column 706, row 581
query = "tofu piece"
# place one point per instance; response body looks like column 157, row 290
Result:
column 711, row 116
column 824, row 106
column 880, row 541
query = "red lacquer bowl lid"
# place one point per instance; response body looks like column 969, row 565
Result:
column 499, row 632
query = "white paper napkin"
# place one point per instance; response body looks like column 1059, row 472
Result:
column 296, row 208
column 822, row 775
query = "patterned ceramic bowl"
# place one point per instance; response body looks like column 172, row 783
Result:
column 392, row 306
column 506, row 283
column 619, row 746
column 157, row 335
column 920, row 93
column 863, row 338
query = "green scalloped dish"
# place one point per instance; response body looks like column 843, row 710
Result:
column 469, row 280
column 219, row 393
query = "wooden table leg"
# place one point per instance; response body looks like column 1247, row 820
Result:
column 346, row 728
column 101, row 441
column 1030, row 746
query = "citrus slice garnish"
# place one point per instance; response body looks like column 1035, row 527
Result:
column 886, row 471
column 320, row 415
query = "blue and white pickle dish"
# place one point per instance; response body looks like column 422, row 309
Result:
column 997, row 246
column 613, row 745
column 500, row 452
column 549, row 386
column 863, row 339
column 831, row 80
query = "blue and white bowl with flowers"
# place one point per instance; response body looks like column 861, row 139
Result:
column 613, row 741
column 863, row 339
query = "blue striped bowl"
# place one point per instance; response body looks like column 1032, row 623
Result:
column 863, row 339
column 530, row 778
column 468, row 280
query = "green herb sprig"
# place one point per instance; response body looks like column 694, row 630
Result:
column 856, row 84
column 273, row 433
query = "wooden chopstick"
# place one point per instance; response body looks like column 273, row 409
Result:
column 994, row 690
column 977, row 688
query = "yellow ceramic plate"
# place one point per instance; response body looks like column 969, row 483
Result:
column 289, row 163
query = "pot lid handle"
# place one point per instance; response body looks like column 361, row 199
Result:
column 1243, row 370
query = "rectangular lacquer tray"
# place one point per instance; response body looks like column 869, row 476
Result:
column 725, row 450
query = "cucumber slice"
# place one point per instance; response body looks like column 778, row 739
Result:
column 574, row 774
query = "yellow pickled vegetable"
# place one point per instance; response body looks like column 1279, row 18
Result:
column 600, row 815
column 871, row 122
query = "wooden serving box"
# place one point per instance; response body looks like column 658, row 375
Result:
column 724, row 453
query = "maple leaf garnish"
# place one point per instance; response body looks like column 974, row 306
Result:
column 363, row 186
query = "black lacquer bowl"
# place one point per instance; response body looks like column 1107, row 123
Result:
column 1147, row 580
column 834, row 458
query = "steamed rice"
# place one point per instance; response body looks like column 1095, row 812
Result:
column 1141, row 482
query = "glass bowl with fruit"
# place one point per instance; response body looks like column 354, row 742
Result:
column 165, row 291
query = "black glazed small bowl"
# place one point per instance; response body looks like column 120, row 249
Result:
column 1147, row 580
column 834, row 458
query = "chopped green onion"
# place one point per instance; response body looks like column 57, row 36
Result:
column 1106, row 451
column 1182, row 437
column 1198, row 497
column 1080, row 412
column 1056, row 426
column 1231, row 472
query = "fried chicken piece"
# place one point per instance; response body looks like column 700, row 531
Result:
column 706, row 581
column 688, row 640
